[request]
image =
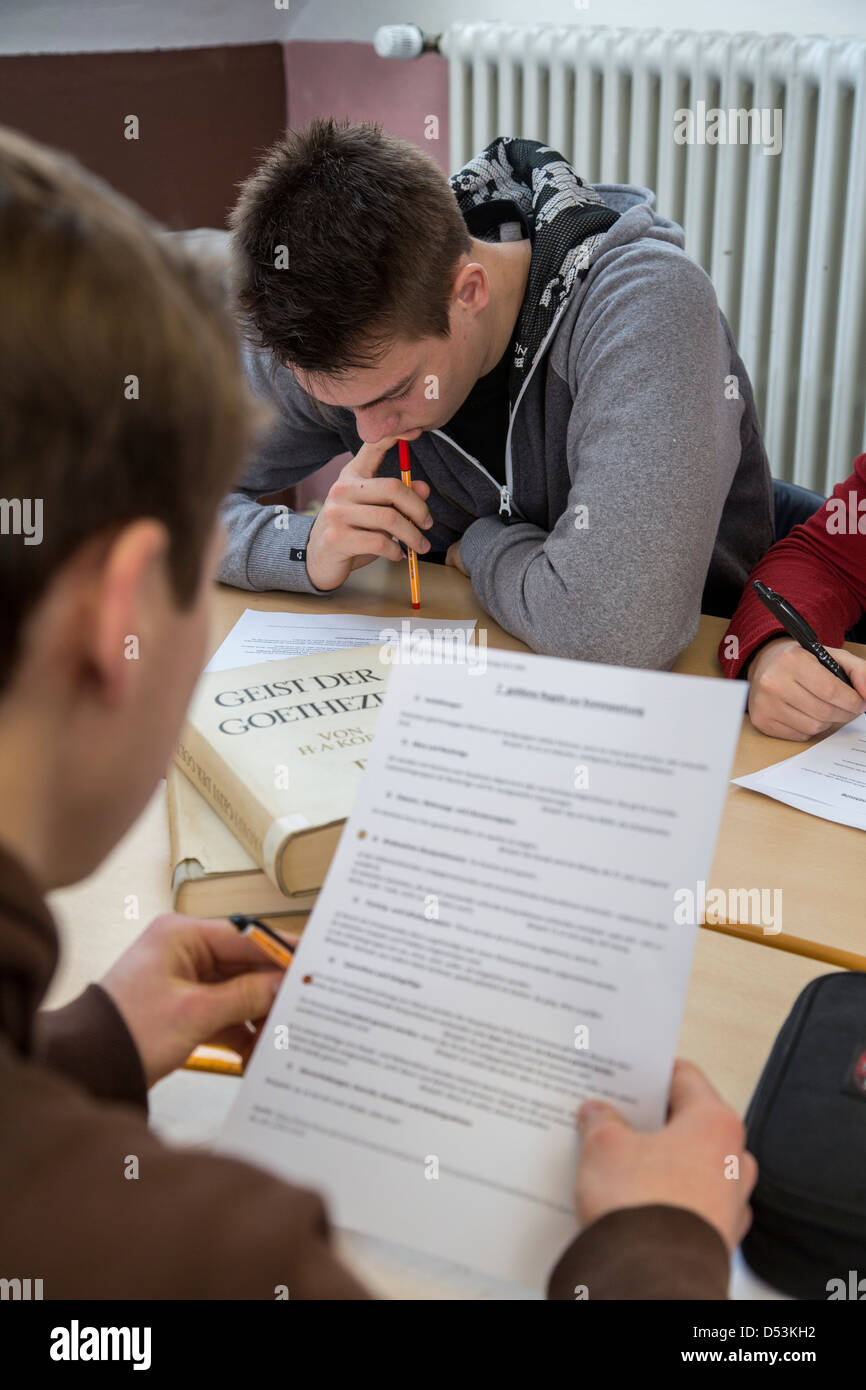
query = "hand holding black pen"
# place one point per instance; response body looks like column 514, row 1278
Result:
column 790, row 695
column 796, row 626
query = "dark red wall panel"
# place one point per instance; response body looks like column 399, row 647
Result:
column 204, row 116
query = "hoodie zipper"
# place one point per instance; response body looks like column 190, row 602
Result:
column 505, row 498
column 506, row 493
column 509, row 476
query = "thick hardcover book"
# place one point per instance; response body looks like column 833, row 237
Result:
column 278, row 750
column 212, row 875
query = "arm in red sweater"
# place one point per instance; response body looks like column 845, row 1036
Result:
column 820, row 567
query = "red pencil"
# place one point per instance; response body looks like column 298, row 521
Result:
column 405, row 474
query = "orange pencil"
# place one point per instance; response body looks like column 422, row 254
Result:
column 405, row 474
column 220, row 1059
column 265, row 938
column 216, row 1059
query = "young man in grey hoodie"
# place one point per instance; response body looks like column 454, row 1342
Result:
column 585, row 445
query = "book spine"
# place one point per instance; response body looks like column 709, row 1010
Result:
column 174, row 851
column 228, row 794
column 173, row 816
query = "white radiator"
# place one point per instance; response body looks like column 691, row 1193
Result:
column 783, row 236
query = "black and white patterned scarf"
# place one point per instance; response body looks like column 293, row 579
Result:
column 564, row 216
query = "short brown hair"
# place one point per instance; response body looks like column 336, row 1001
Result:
column 93, row 302
column 344, row 238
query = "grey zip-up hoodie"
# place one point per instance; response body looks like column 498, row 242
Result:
column 637, row 481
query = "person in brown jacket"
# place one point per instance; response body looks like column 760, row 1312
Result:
column 123, row 420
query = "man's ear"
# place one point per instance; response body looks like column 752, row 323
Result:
column 131, row 588
column 471, row 287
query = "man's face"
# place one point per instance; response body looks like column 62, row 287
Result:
column 416, row 386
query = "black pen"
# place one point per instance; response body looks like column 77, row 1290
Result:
column 796, row 626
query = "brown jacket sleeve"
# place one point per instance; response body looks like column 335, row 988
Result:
column 652, row 1252
column 207, row 1227
column 102, row 1209
column 89, row 1042
column 117, row 1214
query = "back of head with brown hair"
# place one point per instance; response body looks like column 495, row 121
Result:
column 345, row 238
column 121, row 395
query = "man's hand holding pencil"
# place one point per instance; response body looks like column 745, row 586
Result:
column 188, row 981
column 365, row 517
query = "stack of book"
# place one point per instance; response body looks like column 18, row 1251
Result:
column 265, row 773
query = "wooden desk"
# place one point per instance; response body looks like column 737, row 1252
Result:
column 762, row 844
column 739, row 995
column 380, row 589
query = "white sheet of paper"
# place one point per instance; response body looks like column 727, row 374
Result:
column 495, row 942
column 827, row 780
column 258, row 636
